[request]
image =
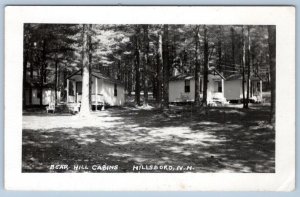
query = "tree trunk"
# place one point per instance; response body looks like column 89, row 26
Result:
column 248, row 68
column 146, row 64
column 166, row 66
column 197, row 68
column 154, row 92
column 272, row 55
column 85, row 107
column 31, row 79
column 55, row 86
column 158, row 69
column 243, row 67
column 42, row 72
column 205, row 74
column 126, row 75
column 24, row 78
column 90, row 65
column 64, row 95
column 137, row 66
column 130, row 71
column 220, row 49
column 59, row 81
column 232, row 46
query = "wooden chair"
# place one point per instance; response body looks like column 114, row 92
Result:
column 51, row 107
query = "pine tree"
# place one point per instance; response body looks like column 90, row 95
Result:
column 205, row 70
column 146, row 63
column 248, row 68
column 166, row 66
column 137, row 65
column 243, row 67
column 85, row 105
column 272, row 54
column 197, row 66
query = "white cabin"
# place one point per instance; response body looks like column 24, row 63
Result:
column 234, row 88
column 104, row 91
column 182, row 88
column 48, row 95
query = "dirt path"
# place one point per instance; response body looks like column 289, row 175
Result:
column 224, row 140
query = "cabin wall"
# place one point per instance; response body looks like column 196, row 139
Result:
column 99, row 85
column 107, row 91
column 177, row 93
column 233, row 89
column 48, row 96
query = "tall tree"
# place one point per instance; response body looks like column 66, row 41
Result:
column 232, row 35
column 90, row 58
column 85, row 105
column 146, row 63
column 159, row 65
column 272, row 56
column 219, row 42
column 166, row 66
column 137, row 64
column 197, row 66
column 42, row 70
column 26, row 49
column 243, row 66
column 205, row 70
column 248, row 67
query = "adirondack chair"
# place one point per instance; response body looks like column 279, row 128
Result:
column 51, row 107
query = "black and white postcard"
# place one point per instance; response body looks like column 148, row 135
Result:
column 150, row 98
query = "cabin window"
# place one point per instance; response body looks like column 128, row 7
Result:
column 187, row 86
column 115, row 90
column 79, row 87
column 218, row 86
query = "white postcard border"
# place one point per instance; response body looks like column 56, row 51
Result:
column 282, row 17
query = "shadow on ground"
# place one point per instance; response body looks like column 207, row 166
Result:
column 227, row 139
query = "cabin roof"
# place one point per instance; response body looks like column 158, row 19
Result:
column 179, row 77
column 182, row 77
column 239, row 77
column 98, row 75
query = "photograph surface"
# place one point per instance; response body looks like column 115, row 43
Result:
column 148, row 98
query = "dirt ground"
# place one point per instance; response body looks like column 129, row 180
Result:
column 223, row 139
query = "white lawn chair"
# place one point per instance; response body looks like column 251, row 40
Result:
column 51, row 107
column 74, row 108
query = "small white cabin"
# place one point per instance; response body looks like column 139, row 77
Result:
column 48, row 95
column 104, row 90
column 234, row 88
column 182, row 88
